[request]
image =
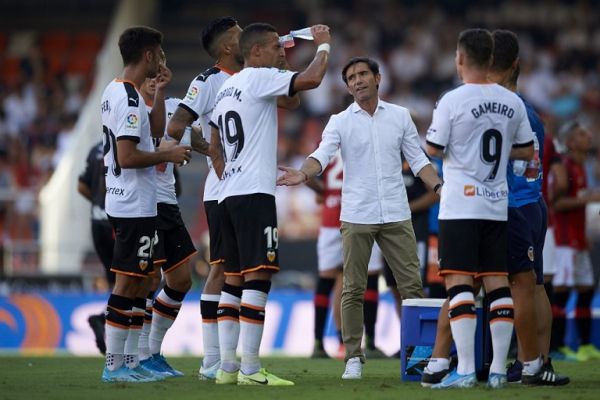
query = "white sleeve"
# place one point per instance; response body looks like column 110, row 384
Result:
column 129, row 120
column 438, row 133
column 330, row 143
column 524, row 134
column 272, row 82
column 196, row 100
column 411, row 148
column 170, row 107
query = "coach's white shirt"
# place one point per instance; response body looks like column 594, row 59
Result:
column 373, row 190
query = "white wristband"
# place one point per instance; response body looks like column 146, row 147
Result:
column 324, row 47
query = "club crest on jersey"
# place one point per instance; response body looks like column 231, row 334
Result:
column 192, row 93
column 271, row 255
column 530, row 253
column 143, row 264
column 132, row 121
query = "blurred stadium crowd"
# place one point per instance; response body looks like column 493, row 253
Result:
column 46, row 74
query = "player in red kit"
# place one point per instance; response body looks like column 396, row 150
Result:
column 569, row 196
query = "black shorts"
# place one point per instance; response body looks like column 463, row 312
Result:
column 526, row 235
column 214, row 218
column 472, row 247
column 104, row 243
column 134, row 245
column 174, row 246
column 250, row 233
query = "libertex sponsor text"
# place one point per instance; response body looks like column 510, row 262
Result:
column 479, row 191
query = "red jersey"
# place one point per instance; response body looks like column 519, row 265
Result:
column 332, row 193
column 551, row 156
column 569, row 226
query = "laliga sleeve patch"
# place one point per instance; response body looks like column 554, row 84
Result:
column 132, row 122
column 192, row 93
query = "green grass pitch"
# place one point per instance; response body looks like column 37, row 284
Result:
column 65, row 378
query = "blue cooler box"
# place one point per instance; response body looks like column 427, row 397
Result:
column 418, row 326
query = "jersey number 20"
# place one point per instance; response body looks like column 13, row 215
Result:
column 110, row 141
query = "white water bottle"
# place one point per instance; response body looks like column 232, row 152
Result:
column 186, row 140
column 303, row 33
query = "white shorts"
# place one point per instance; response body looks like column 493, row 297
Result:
column 329, row 251
column 549, row 254
column 573, row 267
column 422, row 254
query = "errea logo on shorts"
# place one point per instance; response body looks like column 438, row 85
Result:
column 132, row 121
column 475, row 191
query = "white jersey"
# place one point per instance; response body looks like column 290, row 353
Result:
column 200, row 101
column 165, row 179
column 477, row 125
column 131, row 192
column 246, row 116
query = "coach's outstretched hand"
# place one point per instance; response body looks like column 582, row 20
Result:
column 291, row 177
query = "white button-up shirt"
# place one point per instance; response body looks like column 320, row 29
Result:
column 373, row 190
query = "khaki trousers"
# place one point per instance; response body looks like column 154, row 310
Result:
column 399, row 247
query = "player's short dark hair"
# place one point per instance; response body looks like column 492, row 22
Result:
column 372, row 64
column 252, row 35
column 478, row 45
column 213, row 31
column 506, row 49
column 134, row 41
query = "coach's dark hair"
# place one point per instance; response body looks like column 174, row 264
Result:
column 213, row 31
column 254, row 34
column 134, row 41
column 372, row 64
column 478, row 45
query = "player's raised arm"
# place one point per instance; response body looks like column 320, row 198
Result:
column 312, row 76
column 288, row 102
column 158, row 113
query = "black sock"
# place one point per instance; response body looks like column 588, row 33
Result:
column 583, row 315
column 559, row 320
column 321, row 302
column 370, row 310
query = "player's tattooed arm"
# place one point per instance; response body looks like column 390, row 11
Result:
column 199, row 144
column 179, row 120
column 216, row 152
